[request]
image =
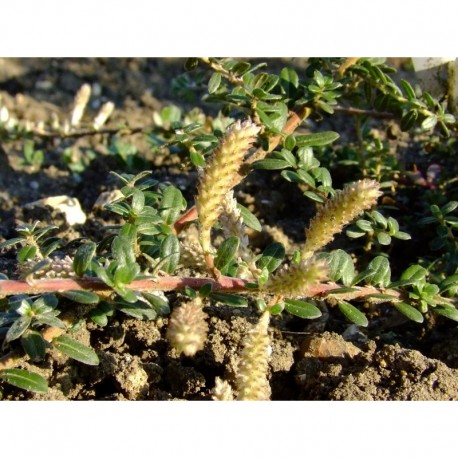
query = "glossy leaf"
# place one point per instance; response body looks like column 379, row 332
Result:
column 170, row 253
column 81, row 296
column 26, row 380
column 272, row 257
column 26, row 252
column 450, row 313
column 381, row 271
column 226, row 252
column 214, row 83
column 34, row 345
column 410, row 312
column 318, row 139
column 229, row 299
column 83, row 258
column 172, row 204
column 76, row 350
column 302, row 309
column 249, row 219
column 18, row 328
column 341, row 267
column 353, row 314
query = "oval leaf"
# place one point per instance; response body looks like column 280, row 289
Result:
column 172, row 204
column 226, row 252
column 353, row 314
column 450, row 313
column 381, row 271
column 34, row 345
column 18, row 328
column 214, row 83
column 26, row 380
column 302, row 309
column 82, row 297
column 230, row 299
column 76, row 350
column 410, row 312
column 272, row 257
column 170, row 253
column 318, row 139
column 249, row 219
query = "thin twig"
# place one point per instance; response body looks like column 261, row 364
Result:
column 359, row 111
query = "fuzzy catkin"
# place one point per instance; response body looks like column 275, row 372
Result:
column 251, row 381
column 187, row 330
column 296, row 279
column 337, row 212
column 219, row 176
column 222, row 391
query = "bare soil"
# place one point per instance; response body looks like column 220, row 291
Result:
column 326, row 359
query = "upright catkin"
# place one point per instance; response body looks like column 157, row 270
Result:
column 337, row 212
column 220, row 176
column 251, row 381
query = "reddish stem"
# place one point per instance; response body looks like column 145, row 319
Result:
column 223, row 284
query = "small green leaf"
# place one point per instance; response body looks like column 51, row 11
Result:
column 341, row 267
column 81, row 296
column 249, row 219
column 402, row 236
column 26, row 380
column 138, row 310
column 214, row 83
column 102, row 273
column 138, row 201
column 26, row 252
column 410, row 312
column 205, row 290
column 271, row 164
column 429, row 122
column 409, row 120
column 414, row 274
column 123, row 250
column 172, row 204
column 383, row 238
column 197, row 158
column 342, row 290
column 125, row 274
column 226, row 253
column 272, row 257
column 11, row 242
column 290, row 142
column 450, row 313
column 191, row 64
column 160, row 305
column 76, row 350
column 353, row 314
column 34, row 345
column 449, row 207
column 381, row 271
column 318, row 139
column 302, row 309
column 408, row 89
column 229, row 299
column 170, row 253
column 83, row 258
column 18, row 328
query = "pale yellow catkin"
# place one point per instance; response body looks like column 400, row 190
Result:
column 295, row 280
column 187, row 329
column 337, row 212
column 219, row 176
column 251, row 380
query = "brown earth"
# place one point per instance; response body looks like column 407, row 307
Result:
column 391, row 360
